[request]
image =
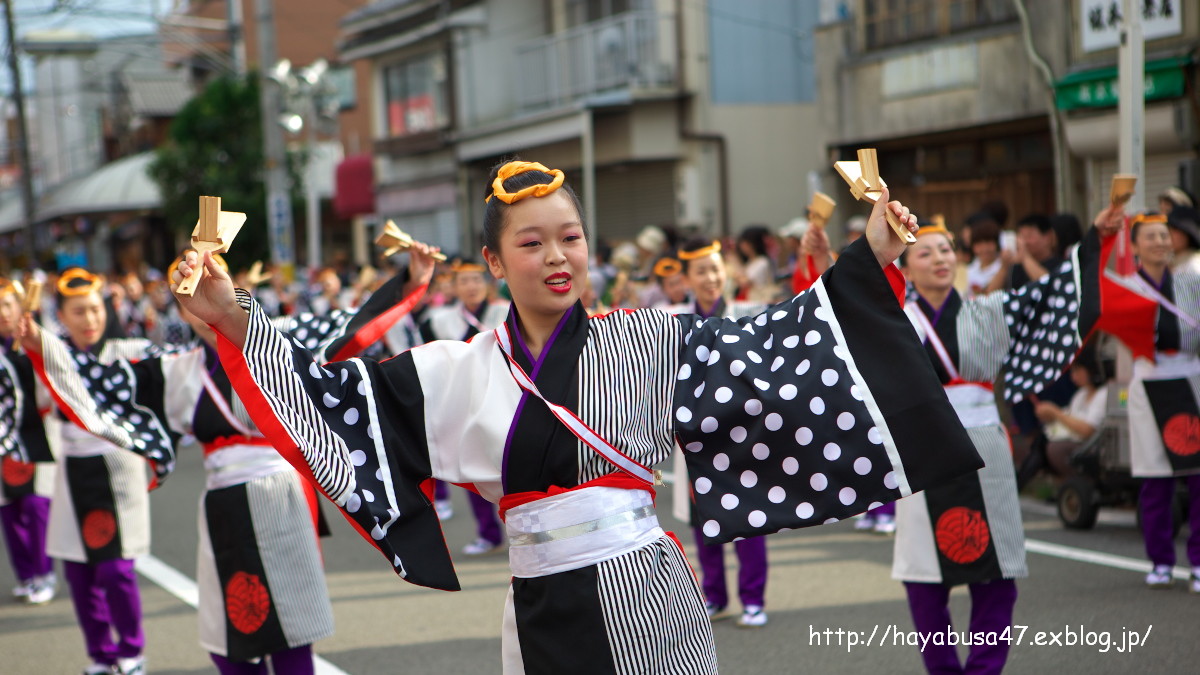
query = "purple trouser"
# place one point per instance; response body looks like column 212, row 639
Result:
column 752, row 570
column 294, row 661
column 991, row 612
column 441, row 491
column 107, row 600
column 1158, row 519
column 24, row 520
column 888, row 509
column 487, row 524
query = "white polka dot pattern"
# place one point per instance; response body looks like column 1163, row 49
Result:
column 780, row 439
column 1042, row 322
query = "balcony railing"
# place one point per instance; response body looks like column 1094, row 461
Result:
column 632, row 52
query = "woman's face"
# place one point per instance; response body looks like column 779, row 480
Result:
column 10, row 314
column 470, row 288
column 930, row 264
column 1080, row 377
column 1153, row 244
column 543, row 255
column 985, row 251
column 707, row 278
column 675, row 287
column 84, row 318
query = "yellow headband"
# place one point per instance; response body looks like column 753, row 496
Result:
column 1149, row 218
column 667, row 267
column 514, row 168
column 934, row 229
column 701, row 252
column 467, row 267
column 6, row 287
column 77, row 273
column 175, row 265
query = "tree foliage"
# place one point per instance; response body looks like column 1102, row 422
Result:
column 215, row 148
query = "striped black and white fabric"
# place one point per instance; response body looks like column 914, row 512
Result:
column 261, row 578
column 372, row 434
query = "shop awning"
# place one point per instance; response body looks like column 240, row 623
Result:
column 122, row 185
column 1097, row 88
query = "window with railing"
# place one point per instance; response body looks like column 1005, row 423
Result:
column 631, row 51
column 579, row 12
column 416, row 95
column 885, row 23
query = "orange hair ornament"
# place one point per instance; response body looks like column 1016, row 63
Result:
column 515, row 168
column 78, row 281
column 934, row 229
column 1148, row 218
column 667, row 267
column 6, row 287
column 460, row 267
column 701, row 252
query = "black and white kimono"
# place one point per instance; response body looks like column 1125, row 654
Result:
column 259, row 568
column 101, row 510
column 969, row 530
column 813, row 411
column 454, row 322
column 25, row 451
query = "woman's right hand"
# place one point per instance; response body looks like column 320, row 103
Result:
column 29, row 334
column 213, row 302
column 1109, row 221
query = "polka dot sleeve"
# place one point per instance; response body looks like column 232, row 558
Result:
column 107, row 400
column 11, row 403
column 356, row 430
column 1043, row 330
column 791, row 418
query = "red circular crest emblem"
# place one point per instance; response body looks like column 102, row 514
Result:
column 962, row 535
column 14, row 472
column 247, row 602
column 1181, row 434
column 99, row 528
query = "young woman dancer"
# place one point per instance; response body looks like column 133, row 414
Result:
column 557, row 416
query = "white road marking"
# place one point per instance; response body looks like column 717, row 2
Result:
column 177, row 584
column 1097, row 558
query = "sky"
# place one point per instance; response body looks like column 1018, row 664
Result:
column 101, row 18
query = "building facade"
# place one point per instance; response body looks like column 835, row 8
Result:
column 974, row 101
column 668, row 112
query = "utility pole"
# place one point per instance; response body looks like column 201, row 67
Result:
column 1131, row 101
column 27, row 203
column 279, row 203
column 237, row 36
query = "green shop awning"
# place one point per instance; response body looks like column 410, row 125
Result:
column 1098, row 88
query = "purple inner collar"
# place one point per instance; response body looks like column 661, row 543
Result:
column 1158, row 285
column 937, row 313
column 537, row 367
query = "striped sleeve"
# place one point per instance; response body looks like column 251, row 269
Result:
column 355, row 429
column 821, row 407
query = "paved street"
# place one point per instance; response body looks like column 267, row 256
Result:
column 825, row 578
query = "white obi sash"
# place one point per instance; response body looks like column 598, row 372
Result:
column 578, row 528
column 974, row 403
column 238, row 464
